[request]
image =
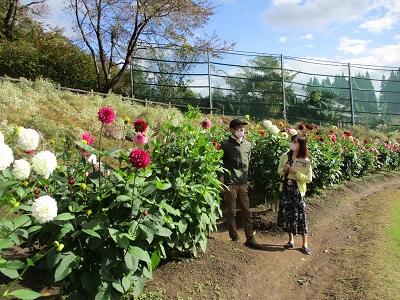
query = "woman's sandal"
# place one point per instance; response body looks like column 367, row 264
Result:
column 289, row 246
column 306, row 250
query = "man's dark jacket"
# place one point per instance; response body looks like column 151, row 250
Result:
column 236, row 160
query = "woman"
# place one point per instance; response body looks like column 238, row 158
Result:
column 292, row 206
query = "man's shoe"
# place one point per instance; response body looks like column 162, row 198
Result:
column 252, row 243
column 236, row 239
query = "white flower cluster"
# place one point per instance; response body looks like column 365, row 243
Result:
column 44, row 163
column 44, row 209
column 271, row 127
column 21, row 169
column 1, row 138
column 28, row 139
column 6, row 156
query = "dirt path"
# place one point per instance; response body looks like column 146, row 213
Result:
column 347, row 226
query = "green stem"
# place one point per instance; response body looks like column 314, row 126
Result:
column 133, row 197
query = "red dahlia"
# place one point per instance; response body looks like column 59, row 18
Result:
column 140, row 126
column 139, row 158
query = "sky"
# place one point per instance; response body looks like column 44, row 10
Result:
column 351, row 31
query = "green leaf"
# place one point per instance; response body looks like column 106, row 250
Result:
column 4, row 185
column 64, row 217
column 92, row 233
column 119, row 237
column 6, row 243
column 140, row 254
column 15, row 265
column 131, row 262
column 90, row 149
column 148, row 232
column 9, row 273
column 163, row 185
column 182, row 225
column 25, row 294
column 22, row 221
column 123, row 198
column 75, row 207
column 91, row 281
column 155, row 260
column 65, row 267
column 168, row 208
column 104, row 291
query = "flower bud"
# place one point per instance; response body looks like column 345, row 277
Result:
column 71, row 181
column 60, row 247
column 25, row 183
column 145, row 212
column 83, row 186
column 127, row 120
column 16, row 205
column 36, row 191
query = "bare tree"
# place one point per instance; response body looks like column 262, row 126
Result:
column 16, row 11
column 113, row 29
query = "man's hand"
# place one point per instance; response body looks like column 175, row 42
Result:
column 221, row 179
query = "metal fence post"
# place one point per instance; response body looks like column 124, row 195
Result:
column 351, row 96
column 283, row 91
column 209, row 82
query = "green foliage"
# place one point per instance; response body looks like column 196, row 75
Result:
column 115, row 222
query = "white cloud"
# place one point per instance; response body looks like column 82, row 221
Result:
column 386, row 55
column 353, row 46
column 308, row 37
column 315, row 15
column 380, row 25
column 397, row 37
column 283, row 39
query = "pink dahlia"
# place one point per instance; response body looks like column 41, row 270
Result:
column 140, row 139
column 140, row 126
column 206, row 124
column 139, row 158
column 88, row 138
column 106, row 115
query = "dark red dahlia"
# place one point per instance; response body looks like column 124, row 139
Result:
column 140, row 126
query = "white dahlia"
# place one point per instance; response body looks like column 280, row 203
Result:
column 1, row 138
column 267, row 123
column 44, row 163
column 44, row 209
column 28, row 139
column 6, row 156
column 21, row 169
column 293, row 131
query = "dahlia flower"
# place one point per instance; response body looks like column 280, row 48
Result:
column 140, row 139
column 285, row 135
column 88, row 138
column 28, row 139
column 44, row 163
column 140, row 126
column 21, row 169
column 293, row 131
column 267, row 123
column 1, row 138
column 106, row 115
column 272, row 128
column 6, row 156
column 139, row 158
column 206, row 124
column 44, row 209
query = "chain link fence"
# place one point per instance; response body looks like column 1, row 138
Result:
column 269, row 86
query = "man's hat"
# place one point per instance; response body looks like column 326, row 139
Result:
column 236, row 122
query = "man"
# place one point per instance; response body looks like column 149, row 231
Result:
column 236, row 161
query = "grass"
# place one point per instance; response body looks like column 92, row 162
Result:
column 391, row 259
